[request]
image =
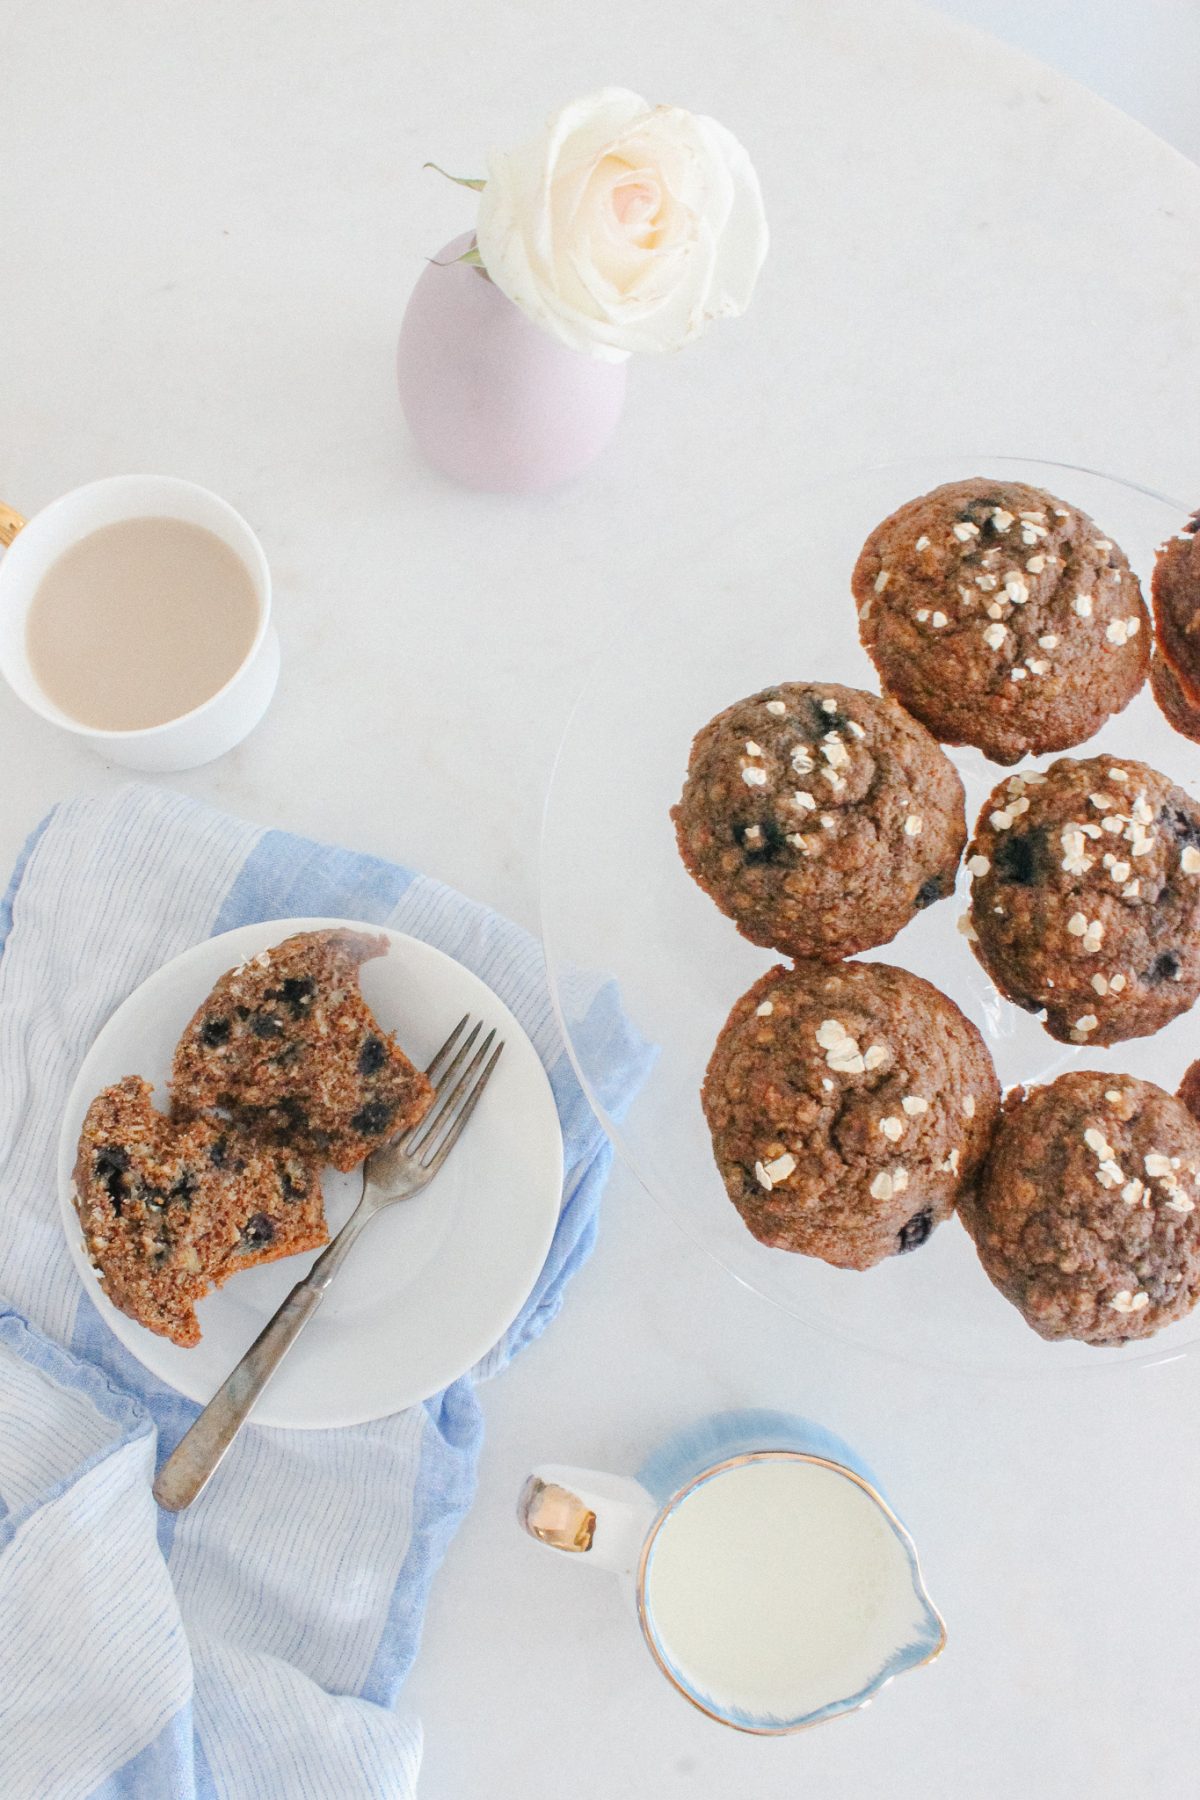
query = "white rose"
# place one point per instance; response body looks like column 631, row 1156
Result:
column 624, row 226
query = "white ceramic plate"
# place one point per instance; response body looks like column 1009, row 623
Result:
column 616, row 897
column 436, row 1280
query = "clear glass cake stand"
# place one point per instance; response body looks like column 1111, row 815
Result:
column 617, row 903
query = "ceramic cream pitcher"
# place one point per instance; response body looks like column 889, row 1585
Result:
column 774, row 1585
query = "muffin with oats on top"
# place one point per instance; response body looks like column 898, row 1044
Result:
column 819, row 818
column 1175, row 590
column 850, row 1108
column 1000, row 616
column 1086, row 1216
column 1085, row 896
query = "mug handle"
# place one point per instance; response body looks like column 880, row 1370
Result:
column 10, row 523
column 584, row 1512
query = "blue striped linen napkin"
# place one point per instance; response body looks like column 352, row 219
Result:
column 254, row 1645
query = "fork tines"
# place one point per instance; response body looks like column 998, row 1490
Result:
column 433, row 1137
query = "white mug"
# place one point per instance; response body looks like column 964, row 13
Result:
column 195, row 737
column 732, row 1542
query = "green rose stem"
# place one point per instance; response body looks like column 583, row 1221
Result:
column 472, row 181
column 471, row 255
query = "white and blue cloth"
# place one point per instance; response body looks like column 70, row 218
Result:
column 253, row 1647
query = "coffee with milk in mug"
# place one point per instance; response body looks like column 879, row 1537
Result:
column 140, row 622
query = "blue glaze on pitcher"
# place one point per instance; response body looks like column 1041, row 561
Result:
column 721, row 1435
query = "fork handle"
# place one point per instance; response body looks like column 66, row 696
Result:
column 206, row 1440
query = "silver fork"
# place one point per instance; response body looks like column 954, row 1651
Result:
column 396, row 1171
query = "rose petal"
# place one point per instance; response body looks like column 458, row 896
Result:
column 744, row 239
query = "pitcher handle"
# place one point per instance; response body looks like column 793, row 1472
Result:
column 584, row 1512
column 11, row 522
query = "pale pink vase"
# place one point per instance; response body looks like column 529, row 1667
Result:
column 491, row 399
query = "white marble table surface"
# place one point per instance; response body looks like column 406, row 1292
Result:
column 212, row 217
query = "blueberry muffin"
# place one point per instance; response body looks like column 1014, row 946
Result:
column 1085, row 897
column 850, row 1109
column 819, row 818
column 1175, row 592
column 1173, row 703
column 1086, row 1214
column 171, row 1210
column 287, row 1046
column 1189, row 1089
column 1175, row 670
column 1001, row 617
